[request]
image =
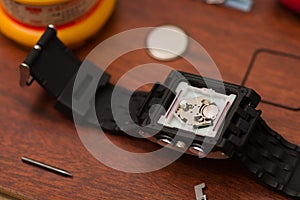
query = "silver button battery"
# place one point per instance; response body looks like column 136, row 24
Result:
column 167, row 42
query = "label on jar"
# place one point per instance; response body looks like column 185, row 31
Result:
column 56, row 14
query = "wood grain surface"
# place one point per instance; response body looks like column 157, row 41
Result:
column 31, row 127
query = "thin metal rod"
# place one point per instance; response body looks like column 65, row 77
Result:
column 47, row 167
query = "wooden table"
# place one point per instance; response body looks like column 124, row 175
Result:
column 30, row 126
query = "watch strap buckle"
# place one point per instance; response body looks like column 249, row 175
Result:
column 25, row 78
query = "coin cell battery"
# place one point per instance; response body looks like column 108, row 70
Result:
column 167, row 42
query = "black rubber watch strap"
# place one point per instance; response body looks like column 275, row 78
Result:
column 272, row 159
column 105, row 116
column 55, row 68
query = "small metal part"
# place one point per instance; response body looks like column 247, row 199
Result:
column 25, row 77
column 215, row 1
column 180, row 144
column 210, row 111
column 51, row 26
column 197, row 112
column 164, row 140
column 199, row 192
column 197, row 150
column 37, row 47
column 167, row 42
column 242, row 5
column 47, row 167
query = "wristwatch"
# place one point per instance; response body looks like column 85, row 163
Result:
column 223, row 114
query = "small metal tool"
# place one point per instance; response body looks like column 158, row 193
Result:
column 199, row 192
column 242, row 5
column 47, row 167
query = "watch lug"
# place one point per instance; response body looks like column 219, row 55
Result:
column 193, row 149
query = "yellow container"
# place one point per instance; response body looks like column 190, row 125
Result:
column 24, row 21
